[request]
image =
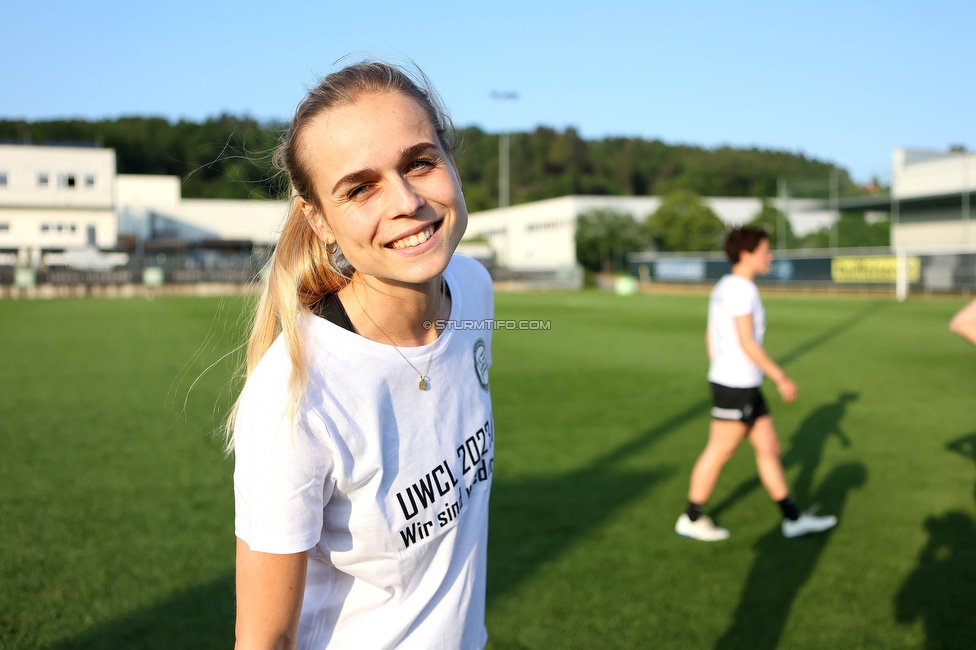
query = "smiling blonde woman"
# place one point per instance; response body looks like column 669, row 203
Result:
column 363, row 438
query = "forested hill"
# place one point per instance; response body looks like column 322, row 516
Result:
column 230, row 157
column 226, row 157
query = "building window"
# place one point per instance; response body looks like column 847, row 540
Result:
column 548, row 225
column 67, row 180
column 42, row 179
column 3, row 179
column 89, row 181
column 493, row 232
column 59, row 227
column 4, row 227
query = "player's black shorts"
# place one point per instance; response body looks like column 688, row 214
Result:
column 737, row 404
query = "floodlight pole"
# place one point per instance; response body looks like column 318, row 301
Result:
column 834, row 189
column 503, row 150
column 901, row 259
column 781, row 214
column 965, row 198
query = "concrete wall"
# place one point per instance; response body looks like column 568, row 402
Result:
column 253, row 220
column 932, row 235
column 924, row 172
column 31, row 230
column 138, row 196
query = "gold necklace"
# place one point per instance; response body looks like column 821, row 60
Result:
column 424, row 379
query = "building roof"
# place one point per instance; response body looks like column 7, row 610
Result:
column 882, row 202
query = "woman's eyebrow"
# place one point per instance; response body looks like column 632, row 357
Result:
column 354, row 177
column 418, row 148
column 368, row 172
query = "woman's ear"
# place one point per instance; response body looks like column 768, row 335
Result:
column 316, row 220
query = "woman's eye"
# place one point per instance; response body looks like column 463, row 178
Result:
column 421, row 163
column 359, row 190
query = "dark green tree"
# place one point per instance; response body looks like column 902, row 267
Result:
column 605, row 237
column 853, row 230
column 224, row 157
column 684, row 223
column 228, row 156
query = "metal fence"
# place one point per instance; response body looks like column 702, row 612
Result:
column 149, row 270
column 865, row 269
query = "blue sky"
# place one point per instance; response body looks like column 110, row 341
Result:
column 841, row 81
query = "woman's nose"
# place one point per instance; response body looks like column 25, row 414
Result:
column 406, row 199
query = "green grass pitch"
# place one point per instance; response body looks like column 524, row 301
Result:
column 116, row 504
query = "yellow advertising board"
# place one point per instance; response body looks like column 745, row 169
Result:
column 873, row 269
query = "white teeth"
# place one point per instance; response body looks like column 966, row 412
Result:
column 414, row 240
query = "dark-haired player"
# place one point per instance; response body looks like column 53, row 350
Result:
column 736, row 324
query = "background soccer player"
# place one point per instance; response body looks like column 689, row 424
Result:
column 736, row 325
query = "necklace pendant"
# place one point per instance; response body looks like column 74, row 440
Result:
column 423, row 383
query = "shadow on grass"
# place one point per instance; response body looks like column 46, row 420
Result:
column 942, row 588
column 534, row 520
column 202, row 617
column 965, row 447
column 781, row 569
column 836, row 330
column 806, row 450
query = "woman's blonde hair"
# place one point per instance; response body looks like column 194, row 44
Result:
column 302, row 270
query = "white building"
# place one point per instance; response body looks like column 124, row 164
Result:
column 55, row 198
column 61, row 203
column 930, row 201
column 932, row 194
column 148, row 204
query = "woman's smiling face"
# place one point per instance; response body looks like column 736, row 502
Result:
column 387, row 191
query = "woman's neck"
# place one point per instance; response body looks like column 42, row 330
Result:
column 744, row 270
column 395, row 313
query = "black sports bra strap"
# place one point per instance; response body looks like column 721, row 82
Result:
column 330, row 308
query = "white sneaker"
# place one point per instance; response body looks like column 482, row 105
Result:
column 808, row 523
column 703, row 529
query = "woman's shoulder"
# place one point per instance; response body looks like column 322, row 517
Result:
column 737, row 283
column 276, row 359
column 472, row 279
column 271, row 374
column 468, row 269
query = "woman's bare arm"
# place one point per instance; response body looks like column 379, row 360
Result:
column 785, row 386
column 964, row 323
column 270, row 590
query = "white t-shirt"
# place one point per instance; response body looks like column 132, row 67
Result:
column 385, row 485
column 733, row 296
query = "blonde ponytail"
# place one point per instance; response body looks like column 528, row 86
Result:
column 300, row 273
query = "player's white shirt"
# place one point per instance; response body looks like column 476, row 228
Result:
column 734, row 296
column 386, row 485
